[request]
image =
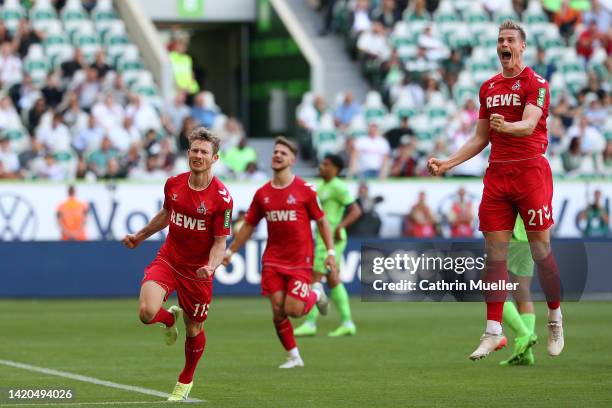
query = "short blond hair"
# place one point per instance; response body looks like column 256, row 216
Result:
column 205, row 135
column 511, row 25
column 282, row 140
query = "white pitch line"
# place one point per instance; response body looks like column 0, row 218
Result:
column 91, row 380
column 76, row 404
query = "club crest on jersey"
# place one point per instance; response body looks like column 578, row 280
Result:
column 517, row 85
column 266, row 200
column 202, row 208
column 491, row 85
column 291, row 199
column 174, row 196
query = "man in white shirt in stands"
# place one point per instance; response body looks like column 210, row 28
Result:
column 370, row 155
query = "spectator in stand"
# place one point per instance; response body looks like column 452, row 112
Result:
column 461, row 216
column 89, row 89
column 567, row 19
column 420, row 222
column 451, row 67
column 572, row 158
column 519, row 7
column 9, row 161
column 55, row 138
column 182, row 67
column 494, row 6
column 328, row 19
column 53, row 92
column 26, row 36
column 556, row 133
column 89, row 138
column 49, row 169
column 409, row 89
column 591, row 139
column 125, row 135
column 420, row 65
column 142, row 113
column 596, row 218
column 252, row 173
column 36, row 113
column 151, row 170
column 542, row 66
column 189, row 124
column 406, row 159
column 118, row 89
column 594, row 85
column 238, row 157
column 474, row 167
column 601, row 12
column 370, row 156
column 373, row 44
column 396, row 136
column 309, row 117
column 177, row 111
column 387, row 13
column 231, row 134
column 360, row 20
column 565, row 111
column 346, row 111
column 108, row 113
column 607, row 159
column 72, row 217
column 132, row 159
column 114, row 171
column 368, row 225
column 166, row 154
column 204, row 115
column 98, row 159
column 435, row 50
column 590, row 39
column 5, row 34
column 10, row 66
column 596, row 113
column 24, row 95
column 74, row 117
column 100, row 64
column 432, row 90
column 470, row 112
column 70, row 67
column 9, row 118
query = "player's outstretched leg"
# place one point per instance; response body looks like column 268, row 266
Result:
column 524, row 339
column 284, row 329
column 195, row 342
column 340, row 299
column 150, row 310
column 550, row 282
column 493, row 338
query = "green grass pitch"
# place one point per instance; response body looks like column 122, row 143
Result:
column 404, row 354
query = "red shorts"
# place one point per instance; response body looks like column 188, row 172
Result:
column 194, row 296
column 294, row 282
column 524, row 186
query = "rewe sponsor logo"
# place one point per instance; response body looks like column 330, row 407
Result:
column 281, row 215
column 503, row 100
column 182, row 220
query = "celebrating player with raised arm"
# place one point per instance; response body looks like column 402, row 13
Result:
column 513, row 110
column 198, row 208
column 289, row 204
column 335, row 198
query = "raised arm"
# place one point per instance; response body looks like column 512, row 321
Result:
column 522, row 128
column 157, row 223
column 471, row 148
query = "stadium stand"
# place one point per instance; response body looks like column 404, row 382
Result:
column 425, row 61
column 77, row 103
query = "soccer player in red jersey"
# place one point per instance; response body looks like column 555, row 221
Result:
column 198, row 209
column 513, row 110
column 289, row 204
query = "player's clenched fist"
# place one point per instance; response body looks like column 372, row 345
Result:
column 497, row 122
column 436, row 166
column 227, row 258
column 205, row 272
column 130, row 241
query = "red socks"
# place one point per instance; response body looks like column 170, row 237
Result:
column 548, row 275
column 163, row 316
column 310, row 302
column 284, row 330
column 496, row 271
column 194, row 348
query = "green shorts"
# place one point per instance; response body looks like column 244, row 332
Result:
column 520, row 262
column 321, row 254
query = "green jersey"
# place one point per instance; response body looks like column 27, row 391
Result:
column 334, row 196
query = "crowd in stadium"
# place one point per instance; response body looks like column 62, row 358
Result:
column 425, row 61
column 77, row 103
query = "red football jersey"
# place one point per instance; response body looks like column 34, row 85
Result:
column 196, row 217
column 508, row 97
column 288, row 212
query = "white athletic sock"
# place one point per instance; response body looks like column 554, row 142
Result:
column 554, row 315
column 294, row 353
column 493, row 327
column 317, row 294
